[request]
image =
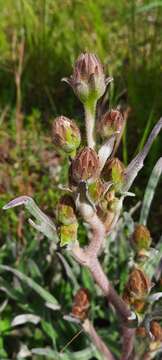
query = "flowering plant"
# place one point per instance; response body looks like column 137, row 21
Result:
column 97, row 187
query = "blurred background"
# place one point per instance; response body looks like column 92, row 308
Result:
column 39, row 42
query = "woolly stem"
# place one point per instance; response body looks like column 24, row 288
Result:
column 90, row 112
column 100, row 345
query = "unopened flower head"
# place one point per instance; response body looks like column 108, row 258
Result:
column 114, row 171
column 156, row 330
column 110, row 123
column 66, row 134
column 85, row 166
column 138, row 283
column 68, row 233
column 66, row 210
column 88, row 79
column 141, row 238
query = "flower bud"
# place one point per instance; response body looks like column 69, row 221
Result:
column 138, row 283
column 141, row 331
column 68, row 233
column 88, row 79
column 66, row 134
column 66, row 211
column 111, row 122
column 95, row 190
column 85, row 166
column 156, row 330
column 114, row 171
column 141, row 238
column 81, row 304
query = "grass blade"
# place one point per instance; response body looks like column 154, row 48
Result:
column 45, row 295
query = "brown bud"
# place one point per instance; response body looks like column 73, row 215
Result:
column 114, row 171
column 138, row 283
column 81, row 304
column 88, row 79
column 111, row 122
column 66, row 210
column 85, row 166
column 141, row 331
column 141, row 238
column 139, row 305
column 156, row 330
column 66, row 134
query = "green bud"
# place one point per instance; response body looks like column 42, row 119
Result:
column 141, row 238
column 95, row 190
column 68, row 233
column 66, row 135
column 114, row 171
column 111, row 122
column 66, row 210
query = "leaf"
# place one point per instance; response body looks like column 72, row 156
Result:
column 85, row 354
column 48, row 328
column 137, row 163
column 106, row 150
column 154, row 297
column 32, row 284
column 69, row 272
column 25, row 318
column 14, row 294
column 44, row 224
column 150, row 191
column 152, row 262
column 148, row 7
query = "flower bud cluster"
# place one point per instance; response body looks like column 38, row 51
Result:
column 85, row 165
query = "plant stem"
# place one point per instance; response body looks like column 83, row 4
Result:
column 100, row 345
column 90, row 112
column 108, row 290
column 128, row 343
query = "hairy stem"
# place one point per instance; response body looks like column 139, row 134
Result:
column 100, row 345
column 108, row 290
column 128, row 343
column 90, row 112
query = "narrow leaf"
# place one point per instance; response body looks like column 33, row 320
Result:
column 44, row 224
column 25, row 318
column 150, row 191
column 106, row 150
column 69, row 272
column 32, row 284
column 137, row 163
column 85, row 354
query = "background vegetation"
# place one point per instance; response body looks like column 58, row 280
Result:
column 39, row 41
